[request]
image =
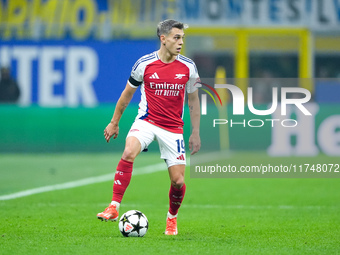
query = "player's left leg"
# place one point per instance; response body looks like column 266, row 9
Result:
column 176, row 195
column 172, row 150
column 177, row 188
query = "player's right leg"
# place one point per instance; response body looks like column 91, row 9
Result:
column 138, row 139
column 122, row 178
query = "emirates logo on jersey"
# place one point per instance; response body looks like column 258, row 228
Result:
column 165, row 85
column 167, row 89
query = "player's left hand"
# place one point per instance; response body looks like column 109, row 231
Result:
column 194, row 143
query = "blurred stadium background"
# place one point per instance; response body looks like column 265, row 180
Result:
column 71, row 60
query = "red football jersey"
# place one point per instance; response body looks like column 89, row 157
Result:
column 163, row 87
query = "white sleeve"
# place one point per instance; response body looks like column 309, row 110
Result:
column 137, row 74
column 193, row 79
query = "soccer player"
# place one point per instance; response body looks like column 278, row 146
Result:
column 163, row 77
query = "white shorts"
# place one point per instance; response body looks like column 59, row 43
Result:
column 171, row 145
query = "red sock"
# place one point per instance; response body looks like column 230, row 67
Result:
column 122, row 179
column 176, row 197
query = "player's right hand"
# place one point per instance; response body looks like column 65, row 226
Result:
column 111, row 130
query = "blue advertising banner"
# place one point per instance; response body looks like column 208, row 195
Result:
column 327, row 91
column 71, row 73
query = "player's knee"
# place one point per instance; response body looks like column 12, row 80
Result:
column 178, row 182
column 129, row 154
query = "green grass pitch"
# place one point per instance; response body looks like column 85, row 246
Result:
column 218, row 216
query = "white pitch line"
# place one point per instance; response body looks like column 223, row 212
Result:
column 82, row 182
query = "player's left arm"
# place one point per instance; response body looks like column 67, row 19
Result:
column 194, row 106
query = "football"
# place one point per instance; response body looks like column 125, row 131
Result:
column 133, row 224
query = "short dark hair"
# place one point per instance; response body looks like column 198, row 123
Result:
column 164, row 27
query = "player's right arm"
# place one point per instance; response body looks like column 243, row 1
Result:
column 112, row 129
